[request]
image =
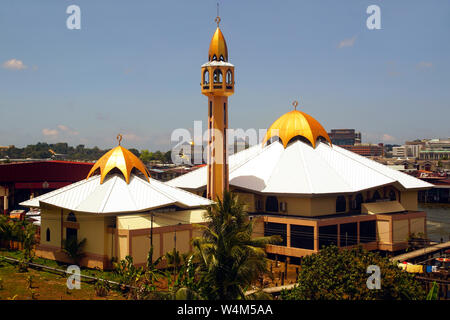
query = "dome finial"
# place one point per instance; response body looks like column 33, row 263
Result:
column 217, row 19
column 119, row 138
column 295, row 104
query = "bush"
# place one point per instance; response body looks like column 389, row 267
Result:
column 334, row 274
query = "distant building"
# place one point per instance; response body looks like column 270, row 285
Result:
column 366, row 149
column 345, row 137
column 399, row 152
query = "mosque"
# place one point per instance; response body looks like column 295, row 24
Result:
column 295, row 184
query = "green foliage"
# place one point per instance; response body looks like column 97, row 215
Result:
column 229, row 259
column 433, row 294
column 126, row 271
column 102, row 287
column 74, row 249
column 147, row 156
column 334, row 274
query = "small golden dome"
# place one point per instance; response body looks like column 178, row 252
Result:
column 296, row 123
column 119, row 158
column 218, row 47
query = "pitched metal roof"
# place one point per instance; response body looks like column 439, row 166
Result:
column 116, row 196
column 302, row 169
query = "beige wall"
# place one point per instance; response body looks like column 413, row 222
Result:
column 417, row 225
column 51, row 219
column 383, row 231
column 140, row 248
column 400, row 230
column 409, row 200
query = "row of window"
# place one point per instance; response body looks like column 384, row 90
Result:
column 218, row 77
column 302, row 237
column 272, row 204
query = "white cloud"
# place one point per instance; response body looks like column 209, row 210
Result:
column 50, row 132
column 347, row 42
column 14, row 64
column 61, row 130
column 387, row 138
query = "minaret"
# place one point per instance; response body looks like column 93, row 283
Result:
column 217, row 84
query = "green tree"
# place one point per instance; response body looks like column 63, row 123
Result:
column 229, row 259
column 334, row 274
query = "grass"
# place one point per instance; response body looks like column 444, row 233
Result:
column 46, row 285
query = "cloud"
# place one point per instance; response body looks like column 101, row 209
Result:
column 347, row 42
column 424, row 64
column 387, row 138
column 50, row 132
column 67, row 130
column 14, row 64
column 61, row 130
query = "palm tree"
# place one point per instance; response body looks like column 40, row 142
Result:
column 74, row 249
column 229, row 259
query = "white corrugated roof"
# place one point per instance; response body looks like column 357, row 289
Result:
column 116, row 196
column 301, row 169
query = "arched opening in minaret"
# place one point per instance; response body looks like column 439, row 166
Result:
column 206, row 77
column 218, row 77
column 229, row 77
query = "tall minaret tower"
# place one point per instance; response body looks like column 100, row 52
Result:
column 217, row 84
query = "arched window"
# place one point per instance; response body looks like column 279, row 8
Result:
column 47, row 235
column 376, row 196
column 341, row 204
column 221, row 58
column 71, row 217
column 392, row 195
column 217, row 76
column 206, row 77
column 272, row 204
column 214, row 58
column 229, row 77
column 358, row 201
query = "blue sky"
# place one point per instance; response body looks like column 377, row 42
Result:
column 134, row 68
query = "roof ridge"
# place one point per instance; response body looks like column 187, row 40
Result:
column 103, row 205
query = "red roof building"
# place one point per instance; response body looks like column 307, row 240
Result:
column 21, row 180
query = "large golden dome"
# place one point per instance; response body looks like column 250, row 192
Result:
column 119, row 158
column 218, row 47
column 296, row 123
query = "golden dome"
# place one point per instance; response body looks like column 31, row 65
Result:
column 296, row 123
column 218, row 47
column 119, row 158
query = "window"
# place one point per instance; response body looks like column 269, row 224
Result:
column 327, row 236
column 302, row 237
column 47, row 235
column 349, row 235
column 272, row 204
column 376, row 196
column 229, row 77
column 392, row 195
column 221, row 58
column 271, row 229
column 206, row 77
column 71, row 217
column 214, row 58
column 358, row 201
column 367, row 231
column 218, row 76
column 341, row 204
